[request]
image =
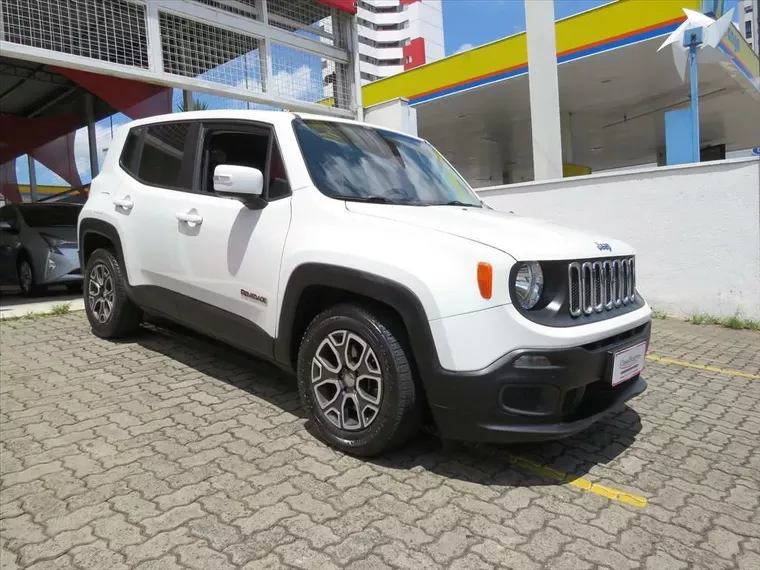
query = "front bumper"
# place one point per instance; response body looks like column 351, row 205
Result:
column 510, row 403
column 61, row 268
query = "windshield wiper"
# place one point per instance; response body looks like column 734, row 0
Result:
column 378, row 200
column 456, row 203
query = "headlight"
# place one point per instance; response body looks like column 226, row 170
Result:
column 529, row 283
column 54, row 242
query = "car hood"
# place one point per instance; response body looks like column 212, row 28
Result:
column 521, row 237
column 68, row 233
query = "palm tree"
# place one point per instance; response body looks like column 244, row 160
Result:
column 194, row 106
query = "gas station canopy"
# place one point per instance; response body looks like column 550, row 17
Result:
column 614, row 89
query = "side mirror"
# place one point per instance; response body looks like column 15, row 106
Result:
column 5, row 227
column 241, row 182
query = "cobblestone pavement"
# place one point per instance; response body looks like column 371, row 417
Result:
column 170, row 452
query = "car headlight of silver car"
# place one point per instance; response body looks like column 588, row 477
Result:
column 529, row 284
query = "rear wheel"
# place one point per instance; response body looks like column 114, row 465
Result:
column 27, row 280
column 356, row 382
column 110, row 311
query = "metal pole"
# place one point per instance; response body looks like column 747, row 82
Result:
column 187, row 99
column 32, row 177
column 694, row 103
column 91, row 138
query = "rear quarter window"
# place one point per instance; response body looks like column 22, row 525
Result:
column 128, row 158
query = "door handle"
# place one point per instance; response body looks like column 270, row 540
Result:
column 189, row 218
column 125, row 203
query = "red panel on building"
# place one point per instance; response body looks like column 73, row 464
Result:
column 414, row 53
column 342, row 5
column 408, row 1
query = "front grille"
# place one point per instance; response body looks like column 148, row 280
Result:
column 601, row 285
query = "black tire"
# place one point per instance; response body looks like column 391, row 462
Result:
column 29, row 287
column 400, row 410
column 125, row 317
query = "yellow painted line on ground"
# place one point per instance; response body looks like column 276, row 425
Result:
column 727, row 371
column 579, row 482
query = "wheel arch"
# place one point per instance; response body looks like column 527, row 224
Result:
column 331, row 284
column 95, row 233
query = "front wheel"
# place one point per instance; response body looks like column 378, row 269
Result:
column 356, row 383
column 27, row 280
column 110, row 311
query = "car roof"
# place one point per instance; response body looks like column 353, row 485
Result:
column 281, row 118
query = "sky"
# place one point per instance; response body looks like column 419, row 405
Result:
column 467, row 24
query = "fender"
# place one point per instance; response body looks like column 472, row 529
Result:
column 92, row 226
column 391, row 293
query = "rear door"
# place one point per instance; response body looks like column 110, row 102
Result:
column 148, row 200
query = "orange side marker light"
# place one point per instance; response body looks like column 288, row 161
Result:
column 485, row 279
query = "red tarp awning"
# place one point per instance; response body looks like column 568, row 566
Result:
column 342, row 5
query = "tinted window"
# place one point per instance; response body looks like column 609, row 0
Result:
column 46, row 216
column 128, row 153
column 162, row 152
column 358, row 162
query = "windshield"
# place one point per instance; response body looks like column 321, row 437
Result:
column 357, row 162
column 39, row 216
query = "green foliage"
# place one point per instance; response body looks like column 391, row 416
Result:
column 194, row 106
column 734, row 322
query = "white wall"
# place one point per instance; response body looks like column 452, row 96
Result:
column 395, row 114
column 696, row 228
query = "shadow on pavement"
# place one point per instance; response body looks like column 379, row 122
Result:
column 481, row 464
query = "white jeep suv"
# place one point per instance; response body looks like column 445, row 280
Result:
column 358, row 258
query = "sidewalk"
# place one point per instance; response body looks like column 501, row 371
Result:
column 14, row 305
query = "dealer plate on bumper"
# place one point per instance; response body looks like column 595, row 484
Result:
column 628, row 363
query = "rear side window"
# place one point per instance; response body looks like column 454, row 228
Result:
column 128, row 158
column 162, row 154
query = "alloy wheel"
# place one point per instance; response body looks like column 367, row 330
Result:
column 25, row 276
column 100, row 292
column 347, row 381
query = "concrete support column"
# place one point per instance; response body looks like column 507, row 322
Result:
column 187, row 100
column 344, row 77
column 265, row 56
column 91, row 138
column 395, row 114
column 32, row 177
column 544, row 90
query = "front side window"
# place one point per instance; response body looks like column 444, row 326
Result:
column 242, row 148
column 364, row 163
column 41, row 216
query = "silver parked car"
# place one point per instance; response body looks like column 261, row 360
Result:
column 38, row 246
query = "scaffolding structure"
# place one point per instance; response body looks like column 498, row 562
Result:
column 270, row 53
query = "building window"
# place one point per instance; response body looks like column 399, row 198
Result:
column 748, row 29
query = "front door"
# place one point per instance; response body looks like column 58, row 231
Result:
column 229, row 255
